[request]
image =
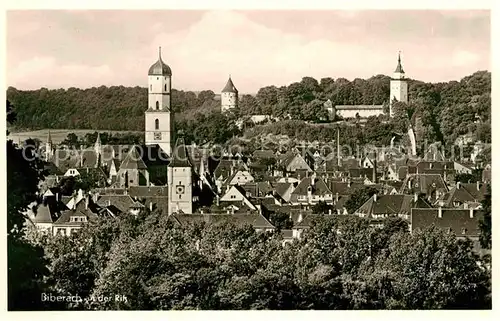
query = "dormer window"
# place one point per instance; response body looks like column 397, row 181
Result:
column 464, row 231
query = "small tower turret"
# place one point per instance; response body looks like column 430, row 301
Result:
column 399, row 86
column 229, row 96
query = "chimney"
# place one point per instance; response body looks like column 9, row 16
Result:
column 151, row 206
column 471, row 213
column 109, row 202
column 95, row 197
column 329, row 211
column 409, row 183
column 458, row 185
column 87, row 202
column 300, row 218
column 374, row 174
column 349, row 183
column 217, row 199
column 415, row 197
column 375, row 197
column 57, row 197
column 336, row 197
column 478, row 185
column 232, row 210
column 440, row 212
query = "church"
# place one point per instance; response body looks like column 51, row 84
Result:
column 398, row 92
column 163, row 161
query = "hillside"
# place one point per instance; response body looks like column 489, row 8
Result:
column 447, row 110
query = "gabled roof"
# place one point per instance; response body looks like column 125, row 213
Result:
column 318, row 187
column 133, row 160
column 180, row 155
column 148, row 191
column 344, row 188
column 391, row 205
column 229, row 87
column 423, row 183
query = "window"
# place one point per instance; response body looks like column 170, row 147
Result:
column 180, row 183
column 157, row 124
column 151, row 87
column 165, row 87
column 157, row 105
column 233, row 196
column 464, row 230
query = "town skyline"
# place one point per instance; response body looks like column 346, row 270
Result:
column 204, row 47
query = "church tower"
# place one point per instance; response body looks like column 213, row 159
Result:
column 399, row 86
column 180, row 180
column 229, row 96
column 49, row 148
column 98, row 150
column 159, row 116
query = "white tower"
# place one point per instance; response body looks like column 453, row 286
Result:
column 399, row 86
column 180, row 180
column 229, row 96
column 159, row 116
column 49, row 148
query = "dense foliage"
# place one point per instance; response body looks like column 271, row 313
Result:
column 340, row 263
column 439, row 111
column 26, row 263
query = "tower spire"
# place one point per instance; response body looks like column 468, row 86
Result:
column 159, row 52
column 399, row 67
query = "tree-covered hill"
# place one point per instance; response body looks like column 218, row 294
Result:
column 447, row 110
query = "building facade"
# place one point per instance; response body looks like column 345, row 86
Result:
column 399, row 86
column 229, row 96
column 159, row 116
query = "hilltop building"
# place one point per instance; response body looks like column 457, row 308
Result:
column 229, row 96
column 399, row 92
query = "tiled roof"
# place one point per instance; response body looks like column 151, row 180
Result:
column 263, row 154
column 319, row 187
column 255, row 220
column 229, row 87
column 344, row 188
column 133, row 160
column 122, row 202
column 458, row 220
column 180, row 155
column 423, row 183
column 391, row 205
column 148, row 191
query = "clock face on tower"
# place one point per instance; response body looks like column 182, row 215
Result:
column 157, row 136
column 179, row 189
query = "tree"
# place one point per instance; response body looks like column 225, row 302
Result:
column 321, row 208
column 359, row 197
column 280, row 220
column 485, row 223
column 25, row 262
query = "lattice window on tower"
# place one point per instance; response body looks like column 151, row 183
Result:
column 157, row 124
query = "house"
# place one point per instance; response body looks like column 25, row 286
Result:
column 464, row 195
column 284, row 190
column 463, row 167
column 292, row 162
column 431, row 185
column 236, row 193
column 379, row 207
column 462, row 222
column 311, row 190
column 240, row 177
column 257, row 221
column 73, row 219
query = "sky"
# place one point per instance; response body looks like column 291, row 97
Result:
column 62, row 49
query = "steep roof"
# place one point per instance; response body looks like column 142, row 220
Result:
column 318, row 187
column 399, row 67
column 423, row 183
column 229, row 87
column 180, row 155
column 133, row 160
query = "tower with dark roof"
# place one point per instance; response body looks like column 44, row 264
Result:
column 229, row 96
column 399, row 86
column 159, row 115
column 49, row 148
column 180, row 179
